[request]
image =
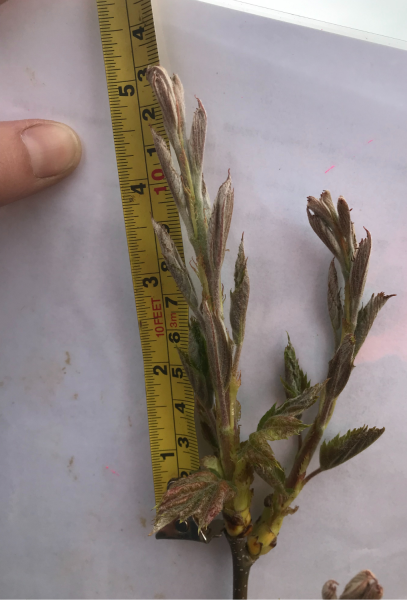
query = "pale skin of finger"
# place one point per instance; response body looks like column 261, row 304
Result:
column 35, row 154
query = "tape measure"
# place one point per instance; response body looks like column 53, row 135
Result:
column 129, row 46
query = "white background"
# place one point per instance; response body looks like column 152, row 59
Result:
column 292, row 111
column 373, row 20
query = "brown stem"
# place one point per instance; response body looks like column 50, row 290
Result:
column 242, row 563
column 308, row 448
column 311, row 475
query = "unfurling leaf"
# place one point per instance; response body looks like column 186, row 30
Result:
column 323, row 208
column 213, row 464
column 329, row 590
column 198, row 382
column 197, row 350
column 163, row 88
column 196, row 366
column 340, row 367
column 343, row 448
column 200, row 495
column 363, row 585
column 178, row 90
column 358, row 276
column 334, row 303
column 239, row 298
column 345, row 225
column 174, row 182
column 208, row 426
column 296, row 380
column 197, row 139
column 219, row 225
column 326, row 200
column 206, row 202
column 294, row 406
column 325, row 235
column 176, row 265
column 366, row 317
column 281, row 427
column 218, row 347
column 261, row 458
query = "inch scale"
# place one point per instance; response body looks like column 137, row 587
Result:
column 129, row 46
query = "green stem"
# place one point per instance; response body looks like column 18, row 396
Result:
column 236, row 359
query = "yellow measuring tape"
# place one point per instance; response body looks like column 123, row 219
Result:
column 129, row 46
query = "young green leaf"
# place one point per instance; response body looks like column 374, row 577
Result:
column 213, row 464
column 261, row 457
column 343, row 448
column 296, row 380
column 366, row 317
column 280, row 428
column 200, row 495
column 294, row 406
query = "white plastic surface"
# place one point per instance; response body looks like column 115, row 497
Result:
column 371, row 20
column 292, row 111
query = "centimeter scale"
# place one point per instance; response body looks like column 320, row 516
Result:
column 129, row 46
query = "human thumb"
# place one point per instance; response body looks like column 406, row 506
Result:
column 35, row 154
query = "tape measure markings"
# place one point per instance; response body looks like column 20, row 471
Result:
column 129, row 46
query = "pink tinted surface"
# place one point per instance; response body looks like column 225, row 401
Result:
column 285, row 104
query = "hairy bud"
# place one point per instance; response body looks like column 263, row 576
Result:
column 218, row 231
column 325, row 234
column 358, row 276
column 363, row 585
column 197, row 139
column 219, row 223
column 329, row 590
column 164, row 92
column 345, row 225
column 174, row 181
column 176, row 265
column 321, row 209
column 239, row 298
column 178, row 90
